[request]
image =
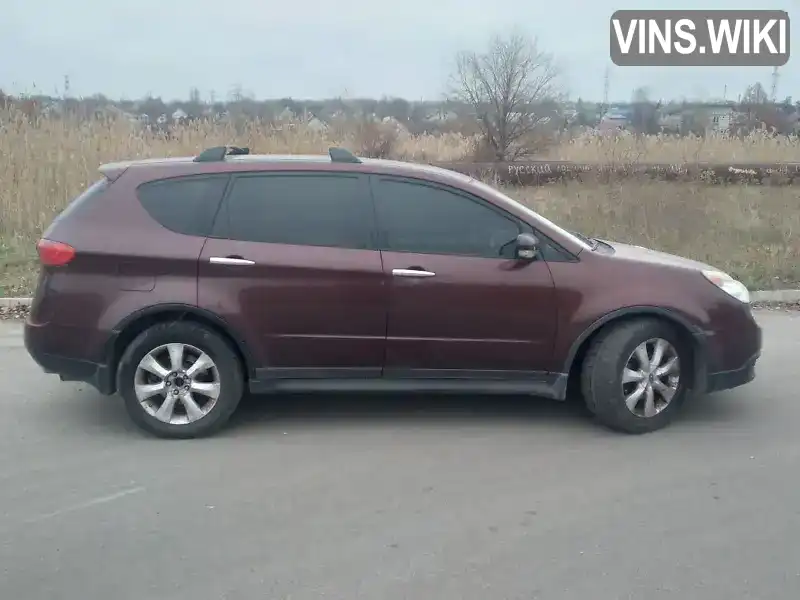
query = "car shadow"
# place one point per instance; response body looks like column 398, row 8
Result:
column 412, row 409
column 91, row 411
column 434, row 410
column 720, row 408
column 86, row 410
column 70, row 408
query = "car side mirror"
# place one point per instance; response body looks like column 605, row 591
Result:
column 527, row 247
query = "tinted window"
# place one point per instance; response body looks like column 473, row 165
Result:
column 185, row 205
column 311, row 210
column 430, row 220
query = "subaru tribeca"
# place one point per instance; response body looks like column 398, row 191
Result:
column 183, row 283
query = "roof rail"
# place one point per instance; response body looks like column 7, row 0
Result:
column 218, row 153
column 342, row 155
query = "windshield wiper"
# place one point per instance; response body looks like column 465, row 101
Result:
column 591, row 242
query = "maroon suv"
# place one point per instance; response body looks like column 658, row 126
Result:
column 183, row 283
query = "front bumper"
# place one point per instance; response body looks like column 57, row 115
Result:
column 726, row 380
column 748, row 343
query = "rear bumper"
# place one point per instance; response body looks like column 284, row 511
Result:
column 68, row 369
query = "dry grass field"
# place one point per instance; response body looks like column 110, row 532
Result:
column 752, row 231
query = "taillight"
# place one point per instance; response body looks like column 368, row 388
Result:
column 54, row 254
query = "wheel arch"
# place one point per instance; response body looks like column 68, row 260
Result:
column 134, row 324
column 691, row 334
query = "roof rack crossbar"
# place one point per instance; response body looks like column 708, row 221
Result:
column 342, row 155
column 218, row 153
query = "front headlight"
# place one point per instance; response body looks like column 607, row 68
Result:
column 729, row 285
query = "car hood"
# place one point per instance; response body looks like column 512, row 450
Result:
column 642, row 254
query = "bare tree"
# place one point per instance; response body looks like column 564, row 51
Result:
column 507, row 87
column 644, row 112
column 755, row 94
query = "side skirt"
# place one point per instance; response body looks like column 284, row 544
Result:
column 450, row 381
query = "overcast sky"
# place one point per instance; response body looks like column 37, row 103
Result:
column 325, row 48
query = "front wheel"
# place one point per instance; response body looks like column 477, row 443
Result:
column 634, row 378
column 180, row 380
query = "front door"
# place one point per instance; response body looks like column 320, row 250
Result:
column 291, row 265
column 460, row 305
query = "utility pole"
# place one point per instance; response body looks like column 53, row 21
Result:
column 774, row 91
column 606, row 85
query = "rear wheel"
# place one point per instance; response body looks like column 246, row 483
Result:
column 180, row 380
column 634, row 378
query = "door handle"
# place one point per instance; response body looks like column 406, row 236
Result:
column 412, row 273
column 230, row 260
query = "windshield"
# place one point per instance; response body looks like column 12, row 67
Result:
column 580, row 239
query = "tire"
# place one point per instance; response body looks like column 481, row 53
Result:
column 602, row 377
column 181, row 420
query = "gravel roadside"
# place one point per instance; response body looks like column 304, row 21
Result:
column 20, row 312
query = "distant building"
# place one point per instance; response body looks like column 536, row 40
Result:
column 794, row 120
column 720, row 118
column 286, row 115
column 670, row 122
column 441, row 116
column 316, row 124
column 179, row 115
column 395, row 124
column 53, row 109
column 613, row 121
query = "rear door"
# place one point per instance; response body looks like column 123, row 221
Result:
column 291, row 263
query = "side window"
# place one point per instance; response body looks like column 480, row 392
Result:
column 184, row 205
column 307, row 209
column 430, row 220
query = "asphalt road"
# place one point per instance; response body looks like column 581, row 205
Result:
column 384, row 498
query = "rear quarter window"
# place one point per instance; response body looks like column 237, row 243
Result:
column 185, row 205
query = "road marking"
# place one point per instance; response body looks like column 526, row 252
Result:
column 84, row 505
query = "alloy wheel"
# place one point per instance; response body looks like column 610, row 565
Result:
column 651, row 377
column 177, row 383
